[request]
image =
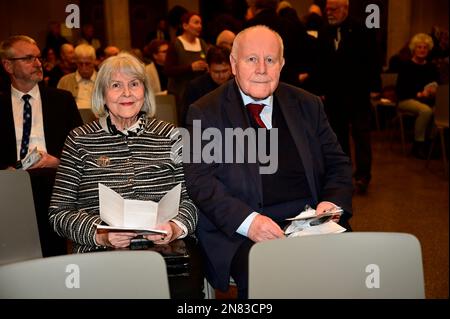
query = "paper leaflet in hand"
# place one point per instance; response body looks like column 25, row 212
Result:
column 309, row 223
column 130, row 215
column 32, row 158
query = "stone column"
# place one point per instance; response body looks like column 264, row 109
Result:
column 399, row 25
column 117, row 24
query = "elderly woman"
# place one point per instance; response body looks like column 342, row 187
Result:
column 416, row 88
column 127, row 150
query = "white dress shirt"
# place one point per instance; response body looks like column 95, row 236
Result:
column 37, row 137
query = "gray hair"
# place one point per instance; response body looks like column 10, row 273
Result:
column 122, row 63
column 237, row 40
column 85, row 51
column 421, row 38
column 6, row 46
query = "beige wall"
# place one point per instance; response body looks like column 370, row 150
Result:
column 408, row 17
column 190, row 5
column 31, row 17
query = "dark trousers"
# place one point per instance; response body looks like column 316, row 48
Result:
column 358, row 121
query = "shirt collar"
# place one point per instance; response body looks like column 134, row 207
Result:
column 78, row 77
column 34, row 92
column 268, row 101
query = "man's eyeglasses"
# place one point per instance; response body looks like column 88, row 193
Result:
column 27, row 59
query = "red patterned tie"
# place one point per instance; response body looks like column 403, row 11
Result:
column 255, row 110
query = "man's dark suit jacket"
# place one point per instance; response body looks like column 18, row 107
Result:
column 60, row 115
column 227, row 193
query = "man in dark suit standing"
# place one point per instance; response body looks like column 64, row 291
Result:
column 242, row 202
column 32, row 116
column 349, row 71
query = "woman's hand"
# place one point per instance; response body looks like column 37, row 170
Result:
column 115, row 240
column 199, row 65
column 173, row 232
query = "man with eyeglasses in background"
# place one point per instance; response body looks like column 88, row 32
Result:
column 33, row 116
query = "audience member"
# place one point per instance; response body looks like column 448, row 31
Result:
column 54, row 38
column 88, row 36
column 127, row 150
column 185, row 58
column 225, row 39
column 219, row 71
column 111, row 50
column 34, row 116
column 349, row 73
column 161, row 32
column 313, row 21
column 50, row 60
column 81, row 82
column 65, row 66
column 238, row 205
column 157, row 49
column 416, row 89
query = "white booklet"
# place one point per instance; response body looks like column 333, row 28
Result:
column 309, row 223
column 138, row 216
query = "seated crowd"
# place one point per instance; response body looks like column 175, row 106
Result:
column 237, row 83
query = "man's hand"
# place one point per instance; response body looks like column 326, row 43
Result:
column 263, row 228
column 47, row 160
column 113, row 239
column 323, row 207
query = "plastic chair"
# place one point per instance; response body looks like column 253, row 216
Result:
column 348, row 265
column 388, row 80
column 19, row 233
column 166, row 108
column 100, row 275
column 441, row 123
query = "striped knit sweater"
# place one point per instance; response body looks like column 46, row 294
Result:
column 140, row 167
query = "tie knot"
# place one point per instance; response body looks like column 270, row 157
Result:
column 255, row 109
column 26, row 97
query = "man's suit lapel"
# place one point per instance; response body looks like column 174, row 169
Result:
column 7, row 129
column 291, row 112
column 234, row 108
column 46, row 117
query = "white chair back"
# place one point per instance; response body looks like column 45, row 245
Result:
column 19, row 233
column 99, row 275
column 348, row 265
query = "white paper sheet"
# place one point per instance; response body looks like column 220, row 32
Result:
column 129, row 214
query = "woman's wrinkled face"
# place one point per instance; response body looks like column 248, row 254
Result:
column 124, row 97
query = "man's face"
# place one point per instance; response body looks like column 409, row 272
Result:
column 85, row 66
column 337, row 11
column 220, row 73
column 160, row 56
column 27, row 70
column 258, row 63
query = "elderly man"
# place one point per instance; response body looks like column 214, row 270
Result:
column 239, row 204
column 349, row 72
column 33, row 116
column 81, row 82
